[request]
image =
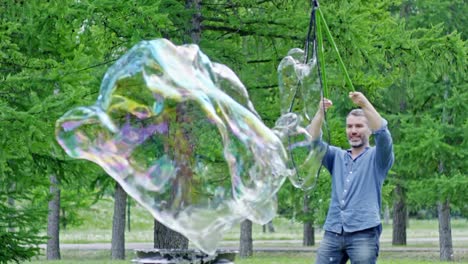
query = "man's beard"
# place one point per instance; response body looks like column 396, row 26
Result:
column 359, row 144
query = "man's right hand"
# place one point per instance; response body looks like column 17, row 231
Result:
column 314, row 127
column 324, row 104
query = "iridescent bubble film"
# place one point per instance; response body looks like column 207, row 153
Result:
column 300, row 92
column 180, row 135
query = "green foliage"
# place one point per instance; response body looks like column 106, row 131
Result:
column 429, row 191
column 291, row 200
column 450, row 14
column 19, row 229
column 43, row 61
column 408, row 56
column 431, row 142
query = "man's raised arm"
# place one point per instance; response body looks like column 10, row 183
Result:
column 374, row 118
column 314, row 128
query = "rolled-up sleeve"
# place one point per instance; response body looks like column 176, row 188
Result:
column 384, row 147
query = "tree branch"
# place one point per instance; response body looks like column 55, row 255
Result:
column 245, row 22
column 259, row 61
column 260, row 87
column 244, row 32
column 231, row 5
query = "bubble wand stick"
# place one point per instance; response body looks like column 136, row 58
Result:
column 317, row 25
column 321, row 24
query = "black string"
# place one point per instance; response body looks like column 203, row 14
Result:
column 311, row 39
column 315, row 6
column 312, row 30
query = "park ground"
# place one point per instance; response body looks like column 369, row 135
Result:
column 90, row 242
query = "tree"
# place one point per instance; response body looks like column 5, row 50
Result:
column 419, row 15
column 50, row 63
column 44, row 73
column 365, row 48
column 19, row 232
column 166, row 238
column 118, row 223
column 246, row 242
column 20, row 222
column 434, row 136
column 53, row 221
column 399, row 217
column 308, row 237
column 425, row 14
column 268, row 226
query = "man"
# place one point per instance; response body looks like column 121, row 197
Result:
column 353, row 227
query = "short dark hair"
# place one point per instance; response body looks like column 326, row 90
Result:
column 356, row 112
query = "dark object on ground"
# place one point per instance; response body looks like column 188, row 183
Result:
column 183, row 256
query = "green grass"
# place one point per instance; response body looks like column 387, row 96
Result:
column 84, row 256
column 98, row 222
column 102, row 257
column 281, row 258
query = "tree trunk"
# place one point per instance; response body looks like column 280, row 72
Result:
column 308, row 236
column 129, row 206
column 195, row 22
column 443, row 207
column 386, row 215
column 399, row 217
column 246, row 242
column 270, row 226
column 118, row 223
column 166, row 238
column 181, row 148
column 405, row 10
column 445, row 231
column 53, row 220
column 64, row 219
column 11, row 204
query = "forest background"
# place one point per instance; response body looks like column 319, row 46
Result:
column 409, row 57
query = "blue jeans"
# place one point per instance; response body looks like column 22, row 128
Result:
column 361, row 247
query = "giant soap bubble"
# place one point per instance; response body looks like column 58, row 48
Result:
column 300, row 92
column 181, row 136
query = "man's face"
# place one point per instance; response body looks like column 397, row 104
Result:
column 357, row 131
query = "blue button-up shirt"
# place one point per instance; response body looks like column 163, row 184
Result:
column 357, row 184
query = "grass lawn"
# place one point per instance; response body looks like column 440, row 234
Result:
column 97, row 223
column 102, row 257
